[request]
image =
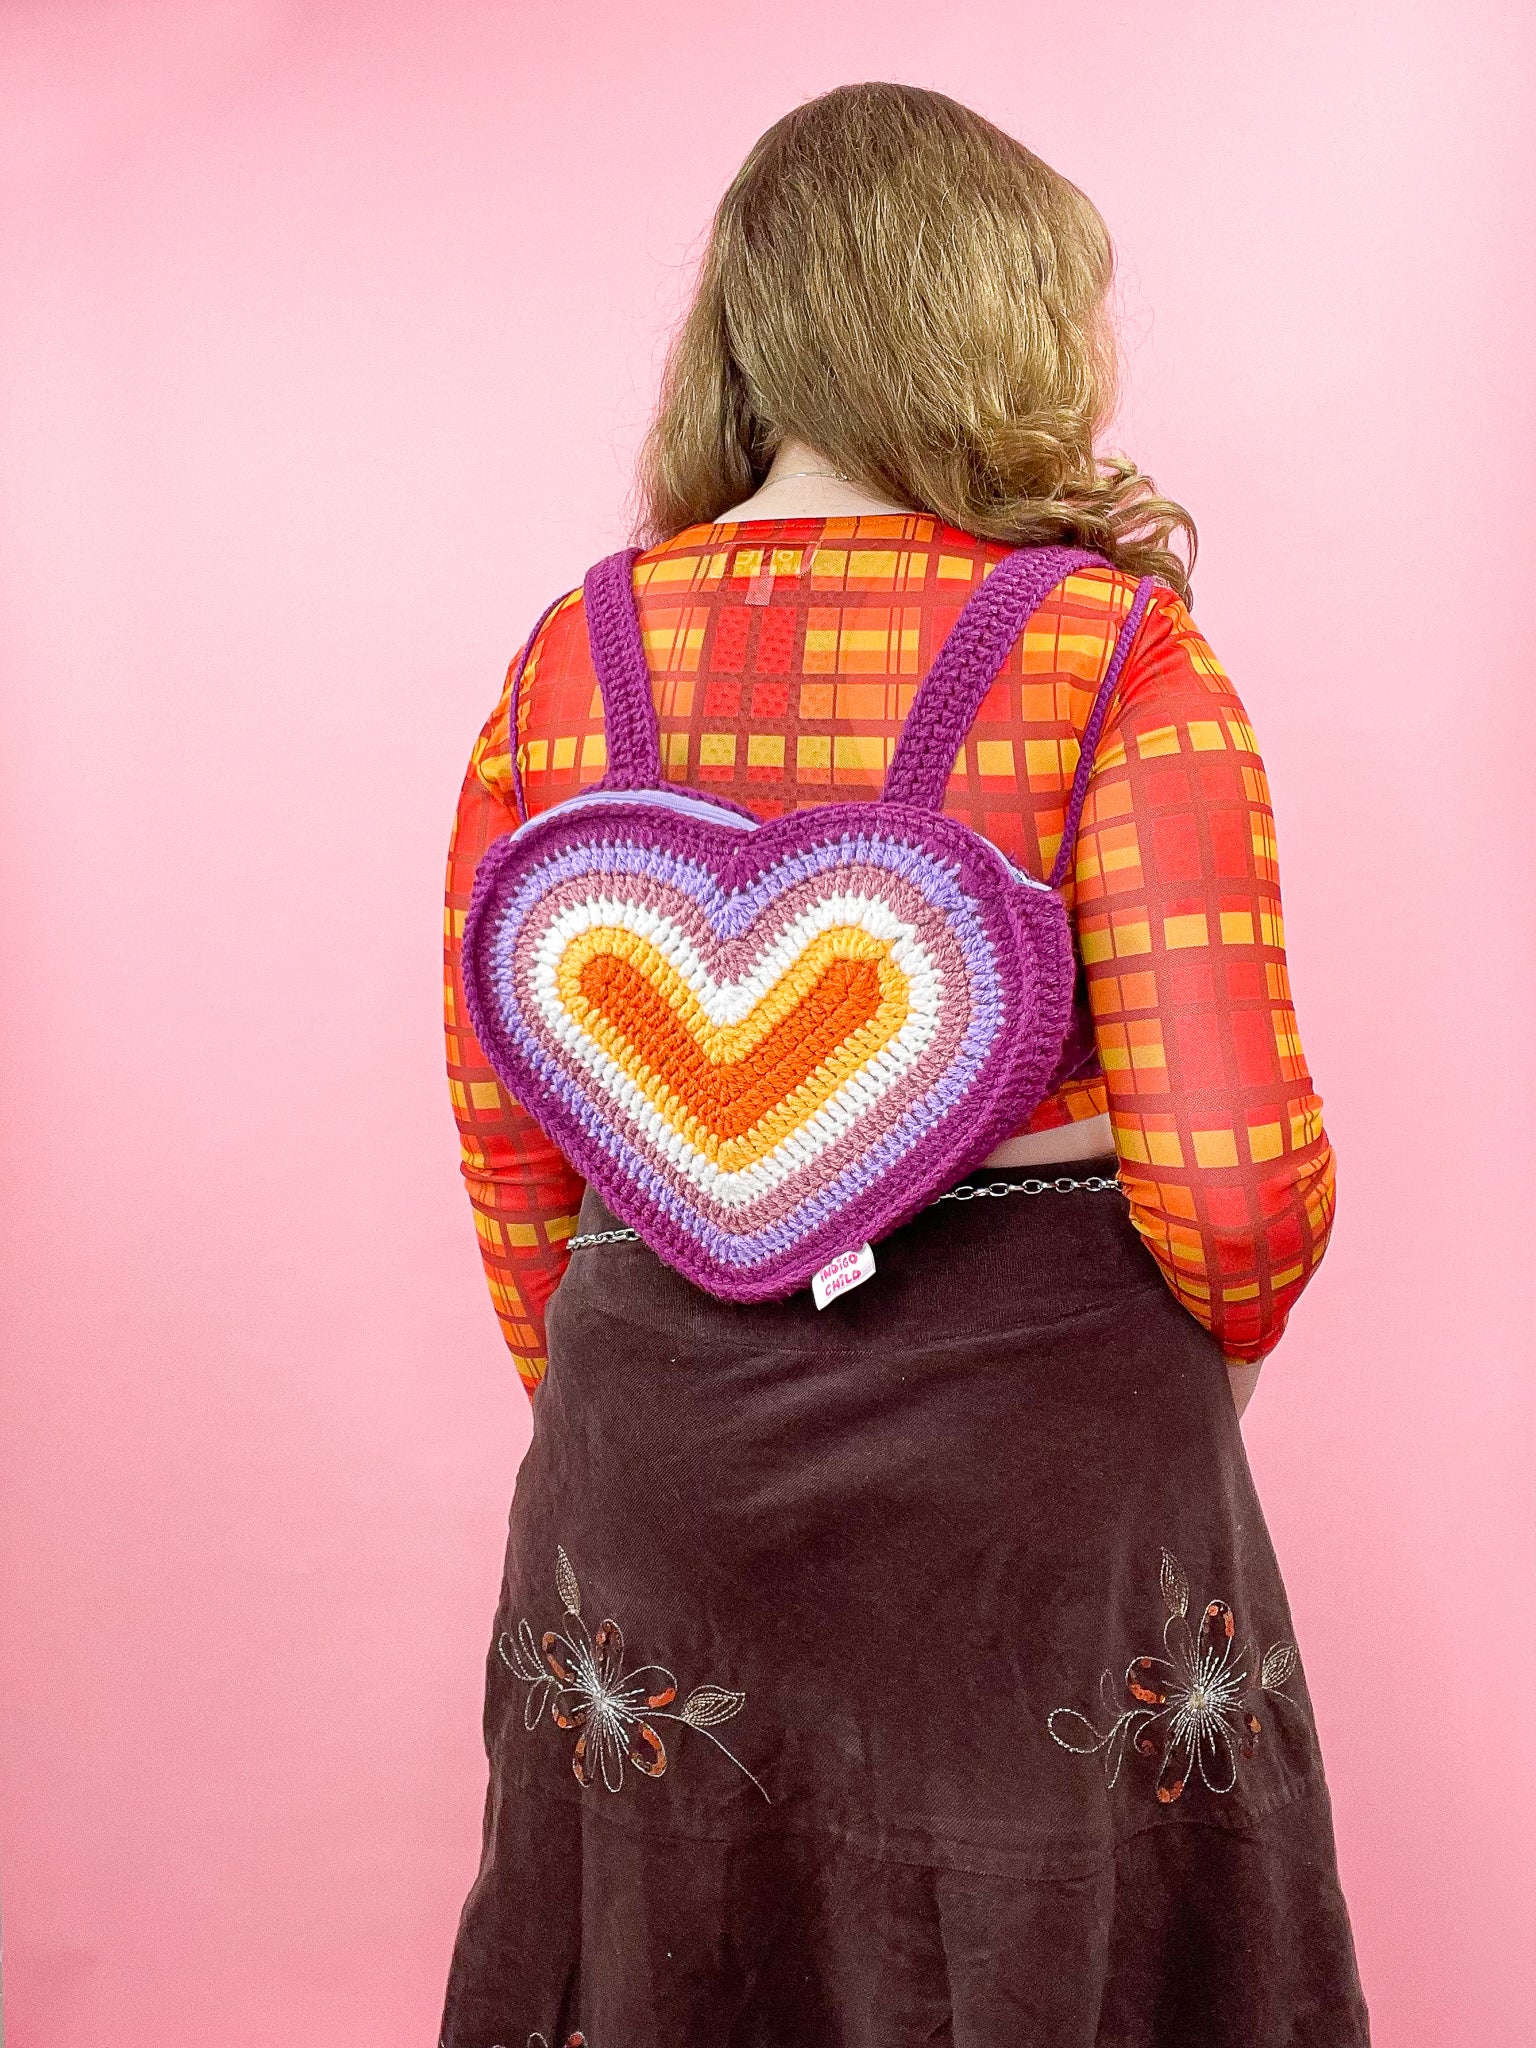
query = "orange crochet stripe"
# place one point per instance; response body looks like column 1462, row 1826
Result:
column 728, row 1098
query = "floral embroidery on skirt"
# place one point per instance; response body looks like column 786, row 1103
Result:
column 1196, row 1704
column 582, row 1681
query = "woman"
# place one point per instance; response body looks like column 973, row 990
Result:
column 917, row 1669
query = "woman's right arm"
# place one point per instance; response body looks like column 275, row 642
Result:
column 524, row 1194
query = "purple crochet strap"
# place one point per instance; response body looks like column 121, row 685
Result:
column 965, row 668
column 514, row 692
column 942, row 712
column 1095, row 726
column 618, row 655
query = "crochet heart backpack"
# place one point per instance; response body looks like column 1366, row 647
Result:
column 766, row 1043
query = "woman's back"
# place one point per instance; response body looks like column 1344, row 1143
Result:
column 785, row 654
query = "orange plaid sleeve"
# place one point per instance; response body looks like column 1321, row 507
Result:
column 524, row 1194
column 1218, row 1127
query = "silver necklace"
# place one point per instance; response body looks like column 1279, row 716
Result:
column 789, row 475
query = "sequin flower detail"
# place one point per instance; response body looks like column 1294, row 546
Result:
column 579, row 1676
column 1193, row 1708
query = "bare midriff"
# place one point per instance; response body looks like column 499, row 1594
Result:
column 1089, row 1139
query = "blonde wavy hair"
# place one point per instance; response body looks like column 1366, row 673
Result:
column 898, row 283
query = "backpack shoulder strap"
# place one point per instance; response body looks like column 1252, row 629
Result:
column 514, row 693
column 618, row 655
column 966, row 666
column 1089, row 745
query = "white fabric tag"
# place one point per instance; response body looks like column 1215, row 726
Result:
column 848, row 1269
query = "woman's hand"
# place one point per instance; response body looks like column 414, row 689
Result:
column 1242, row 1379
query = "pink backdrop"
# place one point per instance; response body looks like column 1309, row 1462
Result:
column 328, row 333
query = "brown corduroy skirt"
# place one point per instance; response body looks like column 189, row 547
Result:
column 914, row 1671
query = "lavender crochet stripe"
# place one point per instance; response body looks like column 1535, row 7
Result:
column 743, row 1253
column 964, row 952
column 762, row 1220
column 875, row 1147
column 732, row 1250
column 743, row 1248
column 1039, row 1017
column 729, row 913
column 681, row 917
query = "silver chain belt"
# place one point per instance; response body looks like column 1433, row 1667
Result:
column 1095, row 1184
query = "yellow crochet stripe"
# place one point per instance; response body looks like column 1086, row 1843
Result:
column 727, row 1044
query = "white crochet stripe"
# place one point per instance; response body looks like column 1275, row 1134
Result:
column 732, row 1002
column 830, row 1122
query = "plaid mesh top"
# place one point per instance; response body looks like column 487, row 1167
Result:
column 784, row 656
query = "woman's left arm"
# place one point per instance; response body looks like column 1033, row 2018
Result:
column 1217, row 1125
column 1244, row 1382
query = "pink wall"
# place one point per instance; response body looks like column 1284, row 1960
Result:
column 328, row 332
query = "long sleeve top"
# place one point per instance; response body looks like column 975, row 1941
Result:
column 784, row 655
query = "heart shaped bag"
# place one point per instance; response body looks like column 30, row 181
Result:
column 766, row 1043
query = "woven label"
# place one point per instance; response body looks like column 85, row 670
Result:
column 848, row 1269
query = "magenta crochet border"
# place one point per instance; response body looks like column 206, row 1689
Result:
column 1013, row 1011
